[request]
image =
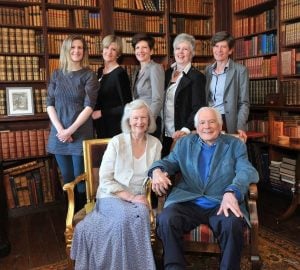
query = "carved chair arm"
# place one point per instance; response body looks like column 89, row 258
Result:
column 253, row 194
column 69, row 188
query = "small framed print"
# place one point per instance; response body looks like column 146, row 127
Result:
column 19, row 101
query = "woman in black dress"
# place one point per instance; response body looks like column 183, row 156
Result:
column 114, row 90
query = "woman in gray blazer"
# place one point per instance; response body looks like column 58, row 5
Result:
column 148, row 80
column 227, row 86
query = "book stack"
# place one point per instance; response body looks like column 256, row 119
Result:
column 288, row 174
column 274, row 175
column 16, row 144
column 29, row 184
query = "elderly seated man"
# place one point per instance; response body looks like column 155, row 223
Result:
column 215, row 176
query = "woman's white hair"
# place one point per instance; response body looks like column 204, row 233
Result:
column 135, row 105
column 183, row 37
column 217, row 113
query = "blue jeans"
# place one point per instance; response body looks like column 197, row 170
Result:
column 70, row 167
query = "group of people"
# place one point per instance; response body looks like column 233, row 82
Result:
column 143, row 120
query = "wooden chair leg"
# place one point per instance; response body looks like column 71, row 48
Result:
column 71, row 264
column 256, row 263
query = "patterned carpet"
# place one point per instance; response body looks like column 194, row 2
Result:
column 276, row 254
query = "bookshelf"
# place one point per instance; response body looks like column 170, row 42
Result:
column 268, row 43
column 196, row 18
column 164, row 19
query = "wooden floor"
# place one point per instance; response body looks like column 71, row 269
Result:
column 37, row 239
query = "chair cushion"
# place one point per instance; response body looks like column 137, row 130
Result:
column 204, row 234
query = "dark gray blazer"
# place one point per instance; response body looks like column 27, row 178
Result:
column 236, row 95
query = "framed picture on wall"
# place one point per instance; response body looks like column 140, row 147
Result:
column 19, row 101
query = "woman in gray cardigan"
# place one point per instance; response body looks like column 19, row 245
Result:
column 227, row 86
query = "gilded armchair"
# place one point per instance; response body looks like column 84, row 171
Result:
column 93, row 151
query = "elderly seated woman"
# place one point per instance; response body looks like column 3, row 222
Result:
column 116, row 234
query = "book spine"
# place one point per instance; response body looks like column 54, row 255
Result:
column 9, row 192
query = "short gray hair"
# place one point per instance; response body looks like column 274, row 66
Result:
column 135, row 105
column 217, row 113
column 183, row 37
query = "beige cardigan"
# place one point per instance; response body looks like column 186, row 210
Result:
column 116, row 169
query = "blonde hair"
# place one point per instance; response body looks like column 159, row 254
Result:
column 112, row 39
column 65, row 57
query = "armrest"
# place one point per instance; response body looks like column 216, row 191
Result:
column 253, row 194
column 69, row 188
column 161, row 201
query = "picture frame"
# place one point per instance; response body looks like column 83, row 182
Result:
column 19, row 101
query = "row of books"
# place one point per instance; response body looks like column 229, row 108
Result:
column 26, row 143
column 58, row 18
column 287, row 125
column 146, row 5
column 86, row 19
column 93, row 43
column 259, row 89
column 291, row 90
column 73, row 18
column 199, row 7
column 290, row 61
column 86, row 3
column 256, row 45
column 124, row 21
column 29, row 15
column 283, row 174
column 21, row 68
column 291, row 34
column 289, row 9
column 259, row 125
column 30, row 1
column 239, row 5
column 260, row 66
column 17, row 40
column 191, row 26
column 29, row 184
column 149, row 5
column 255, row 24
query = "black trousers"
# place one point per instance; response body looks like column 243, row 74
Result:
column 179, row 218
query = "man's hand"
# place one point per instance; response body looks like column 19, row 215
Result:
column 160, row 182
column 230, row 202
